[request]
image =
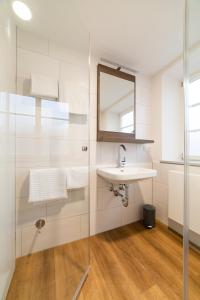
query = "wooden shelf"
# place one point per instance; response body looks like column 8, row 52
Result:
column 120, row 138
column 138, row 141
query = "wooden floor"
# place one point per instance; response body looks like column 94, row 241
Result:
column 126, row 263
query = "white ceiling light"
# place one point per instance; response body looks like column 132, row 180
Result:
column 22, row 10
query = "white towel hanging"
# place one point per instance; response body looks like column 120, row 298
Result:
column 47, row 184
column 44, row 86
column 77, row 177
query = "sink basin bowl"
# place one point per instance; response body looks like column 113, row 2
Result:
column 125, row 175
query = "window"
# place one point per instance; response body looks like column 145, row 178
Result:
column 126, row 122
column 54, row 110
column 194, row 119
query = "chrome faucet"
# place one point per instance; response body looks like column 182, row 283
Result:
column 122, row 159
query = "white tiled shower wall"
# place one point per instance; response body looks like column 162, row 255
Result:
column 58, row 144
column 48, row 142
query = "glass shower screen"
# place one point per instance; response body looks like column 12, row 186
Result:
column 192, row 153
column 52, row 152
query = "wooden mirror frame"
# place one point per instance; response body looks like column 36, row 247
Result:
column 110, row 136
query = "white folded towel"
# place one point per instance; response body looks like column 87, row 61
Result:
column 77, row 177
column 47, row 184
column 43, row 86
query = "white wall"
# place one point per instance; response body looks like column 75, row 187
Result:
column 168, row 115
column 7, row 49
column 172, row 119
column 161, row 189
column 168, row 133
column 7, row 148
column 167, row 130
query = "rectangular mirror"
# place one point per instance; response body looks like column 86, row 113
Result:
column 116, row 105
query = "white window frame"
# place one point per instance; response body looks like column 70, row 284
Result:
column 194, row 78
column 124, row 113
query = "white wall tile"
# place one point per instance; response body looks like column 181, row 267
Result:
column 156, row 166
column 98, row 153
column 93, row 105
column 164, row 173
column 143, row 114
column 106, row 199
column 144, row 153
column 108, row 153
column 143, row 131
column 131, row 214
column 143, row 191
column 31, row 62
column 29, row 215
column 68, row 55
column 92, row 153
column 23, row 85
column 26, row 126
column 106, row 220
column 143, row 94
column 131, row 155
column 8, row 56
column 93, row 177
column 93, row 222
column 93, row 129
column 18, row 236
column 25, row 105
column 31, row 164
column 74, row 75
column 132, row 196
column 93, row 81
column 160, row 200
column 63, row 129
column 22, row 182
column 32, row 149
column 68, row 151
column 93, row 199
column 32, row 42
column 102, row 183
column 75, row 205
column 54, row 233
column 85, row 226
column 94, row 60
column 73, row 86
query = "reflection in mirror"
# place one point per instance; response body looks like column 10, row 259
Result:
column 116, row 104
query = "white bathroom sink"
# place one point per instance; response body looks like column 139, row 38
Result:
column 125, row 175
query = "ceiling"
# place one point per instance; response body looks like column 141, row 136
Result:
column 142, row 34
column 145, row 35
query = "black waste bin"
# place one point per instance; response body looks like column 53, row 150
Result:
column 149, row 215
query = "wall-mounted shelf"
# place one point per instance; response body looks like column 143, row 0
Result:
column 139, row 141
column 119, row 137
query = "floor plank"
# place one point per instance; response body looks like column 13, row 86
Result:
column 127, row 263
